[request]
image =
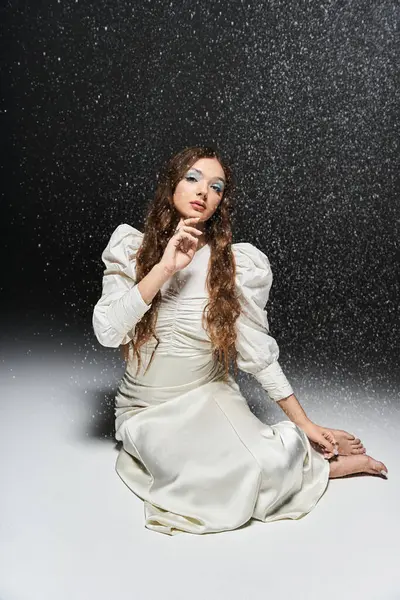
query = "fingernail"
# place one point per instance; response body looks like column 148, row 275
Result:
column 384, row 474
column 336, row 452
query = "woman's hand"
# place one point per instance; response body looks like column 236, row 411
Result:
column 182, row 247
column 322, row 437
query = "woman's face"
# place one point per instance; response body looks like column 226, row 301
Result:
column 204, row 184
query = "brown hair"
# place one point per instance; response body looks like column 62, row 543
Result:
column 223, row 307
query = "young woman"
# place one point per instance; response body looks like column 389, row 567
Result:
column 186, row 304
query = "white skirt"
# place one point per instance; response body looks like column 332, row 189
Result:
column 198, row 457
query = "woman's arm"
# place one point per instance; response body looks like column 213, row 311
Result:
column 174, row 258
column 123, row 303
column 152, row 282
column 293, row 409
column 320, row 435
column 118, row 311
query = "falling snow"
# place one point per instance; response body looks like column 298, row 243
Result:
column 97, row 97
column 304, row 101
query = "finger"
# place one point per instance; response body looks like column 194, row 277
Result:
column 190, row 229
column 330, row 437
column 187, row 240
column 183, row 237
column 333, row 454
column 183, row 222
column 190, row 220
column 327, row 445
column 328, row 455
column 327, row 450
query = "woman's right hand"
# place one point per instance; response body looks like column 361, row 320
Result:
column 182, row 247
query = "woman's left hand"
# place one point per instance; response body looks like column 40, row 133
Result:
column 323, row 437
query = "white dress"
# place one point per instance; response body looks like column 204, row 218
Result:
column 191, row 447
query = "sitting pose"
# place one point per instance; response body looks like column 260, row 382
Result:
column 186, row 304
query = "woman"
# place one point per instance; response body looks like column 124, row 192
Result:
column 186, row 304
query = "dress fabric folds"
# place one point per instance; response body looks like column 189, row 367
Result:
column 192, row 450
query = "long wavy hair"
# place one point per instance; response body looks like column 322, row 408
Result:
column 223, row 307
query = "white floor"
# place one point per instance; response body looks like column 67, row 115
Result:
column 70, row 529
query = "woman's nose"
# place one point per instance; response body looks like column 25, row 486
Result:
column 202, row 189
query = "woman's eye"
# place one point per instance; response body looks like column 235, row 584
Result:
column 214, row 187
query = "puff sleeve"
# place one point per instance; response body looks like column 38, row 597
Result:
column 258, row 352
column 121, row 305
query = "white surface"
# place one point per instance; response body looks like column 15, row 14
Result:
column 70, row 528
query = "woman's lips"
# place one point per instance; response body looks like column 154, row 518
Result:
column 198, row 206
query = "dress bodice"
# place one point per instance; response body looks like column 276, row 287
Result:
column 184, row 298
column 179, row 325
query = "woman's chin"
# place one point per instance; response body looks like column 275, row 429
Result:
column 194, row 213
column 190, row 213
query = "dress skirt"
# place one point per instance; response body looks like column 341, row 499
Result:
column 200, row 460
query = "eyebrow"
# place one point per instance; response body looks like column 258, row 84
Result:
column 201, row 173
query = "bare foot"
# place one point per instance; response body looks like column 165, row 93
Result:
column 340, row 466
column 348, row 443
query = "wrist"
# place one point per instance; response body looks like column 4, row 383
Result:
column 293, row 409
column 305, row 423
column 163, row 271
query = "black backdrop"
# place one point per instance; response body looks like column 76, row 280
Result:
column 303, row 98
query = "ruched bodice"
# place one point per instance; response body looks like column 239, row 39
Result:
column 184, row 297
column 191, row 447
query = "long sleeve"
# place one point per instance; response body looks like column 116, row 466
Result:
column 258, row 351
column 121, row 305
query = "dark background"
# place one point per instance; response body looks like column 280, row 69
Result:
column 303, row 98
